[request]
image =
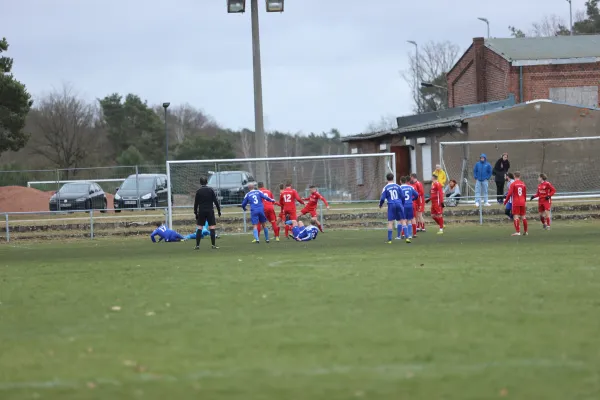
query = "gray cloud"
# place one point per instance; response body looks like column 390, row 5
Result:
column 326, row 64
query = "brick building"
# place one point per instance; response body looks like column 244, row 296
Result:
column 563, row 68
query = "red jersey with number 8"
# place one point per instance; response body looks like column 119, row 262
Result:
column 518, row 194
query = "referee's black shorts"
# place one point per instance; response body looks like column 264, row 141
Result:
column 204, row 216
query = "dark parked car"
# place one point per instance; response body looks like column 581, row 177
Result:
column 150, row 191
column 79, row 196
column 231, row 186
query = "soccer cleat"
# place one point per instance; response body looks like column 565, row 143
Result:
column 254, row 241
column 399, row 237
column 516, row 234
column 547, row 227
column 197, row 248
column 526, row 234
column 267, row 241
column 487, row 204
column 408, row 241
column 389, row 242
column 277, row 239
column 440, row 232
column 215, row 248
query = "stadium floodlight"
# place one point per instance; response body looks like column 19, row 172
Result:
column 274, row 5
column 236, row 6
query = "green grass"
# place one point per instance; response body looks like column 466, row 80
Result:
column 473, row 314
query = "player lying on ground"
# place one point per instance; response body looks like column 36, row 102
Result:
column 419, row 204
column 409, row 224
column 288, row 199
column 257, row 210
column 311, row 207
column 544, row 195
column 392, row 193
column 302, row 233
column 169, row 235
column 517, row 195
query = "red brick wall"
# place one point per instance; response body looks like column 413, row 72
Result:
column 482, row 75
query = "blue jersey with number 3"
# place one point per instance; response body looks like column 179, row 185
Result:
column 255, row 198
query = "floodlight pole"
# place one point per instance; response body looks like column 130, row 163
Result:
column 165, row 106
column 487, row 22
column 259, row 125
column 570, row 16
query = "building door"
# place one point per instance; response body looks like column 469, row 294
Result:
column 402, row 161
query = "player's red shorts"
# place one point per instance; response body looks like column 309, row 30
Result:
column 309, row 210
column 519, row 210
column 436, row 209
column 270, row 214
column 418, row 206
column 543, row 207
column 291, row 214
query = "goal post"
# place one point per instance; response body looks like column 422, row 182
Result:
column 568, row 162
column 340, row 178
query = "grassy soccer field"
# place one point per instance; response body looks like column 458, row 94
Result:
column 473, row 314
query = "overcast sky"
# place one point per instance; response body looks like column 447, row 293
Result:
column 326, row 63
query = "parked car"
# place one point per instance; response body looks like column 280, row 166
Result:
column 149, row 190
column 231, row 186
column 79, row 196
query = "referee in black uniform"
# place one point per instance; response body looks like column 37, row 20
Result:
column 203, row 209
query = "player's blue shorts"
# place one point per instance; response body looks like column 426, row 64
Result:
column 409, row 213
column 257, row 217
column 509, row 206
column 295, row 231
column 395, row 212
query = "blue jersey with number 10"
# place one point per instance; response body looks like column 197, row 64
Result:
column 393, row 195
column 255, row 198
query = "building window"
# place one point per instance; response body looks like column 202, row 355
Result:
column 358, row 163
column 426, row 161
column 413, row 160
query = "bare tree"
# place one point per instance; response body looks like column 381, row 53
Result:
column 67, row 128
column 385, row 123
column 435, row 60
column 549, row 25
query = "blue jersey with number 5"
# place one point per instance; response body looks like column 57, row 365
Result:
column 409, row 194
column 255, row 198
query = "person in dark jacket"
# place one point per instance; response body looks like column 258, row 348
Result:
column 500, row 170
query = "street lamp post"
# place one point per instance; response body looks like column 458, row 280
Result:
column 418, row 72
column 239, row 6
column 570, row 16
column 165, row 106
column 431, row 85
column 487, row 22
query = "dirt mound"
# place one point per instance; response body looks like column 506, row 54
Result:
column 22, row 199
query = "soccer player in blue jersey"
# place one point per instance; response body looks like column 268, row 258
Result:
column 410, row 195
column 205, row 233
column 257, row 210
column 166, row 234
column 302, row 233
column 393, row 195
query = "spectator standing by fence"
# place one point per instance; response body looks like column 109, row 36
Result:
column 482, row 172
column 500, row 170
column 441, row 175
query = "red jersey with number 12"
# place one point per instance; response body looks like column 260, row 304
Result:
column 517, row 193
column 288, row 198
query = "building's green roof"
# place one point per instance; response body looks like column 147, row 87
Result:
column 546, row 48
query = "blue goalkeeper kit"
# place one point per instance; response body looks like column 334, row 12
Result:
column 205, row 233
column 166, row 234
column 257, row 210
column 305, row 233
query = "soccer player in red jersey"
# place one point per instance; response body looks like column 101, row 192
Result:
column 517, row 195
column 269, row 210
column 311, row 207
column 288, row 198
column 418, row 205
column 544, row 194
column 437, row 203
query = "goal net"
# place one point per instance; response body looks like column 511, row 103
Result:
column 340, row 178
column 569, row 163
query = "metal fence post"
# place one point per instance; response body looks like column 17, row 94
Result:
column 7, row 228
column 92, row 224
column 137, row 186
column 245, row 228
column 480, row 213
column 321, row 212
column 57, row 190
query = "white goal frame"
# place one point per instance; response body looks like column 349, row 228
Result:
column 391, row 167
column 516, row 141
